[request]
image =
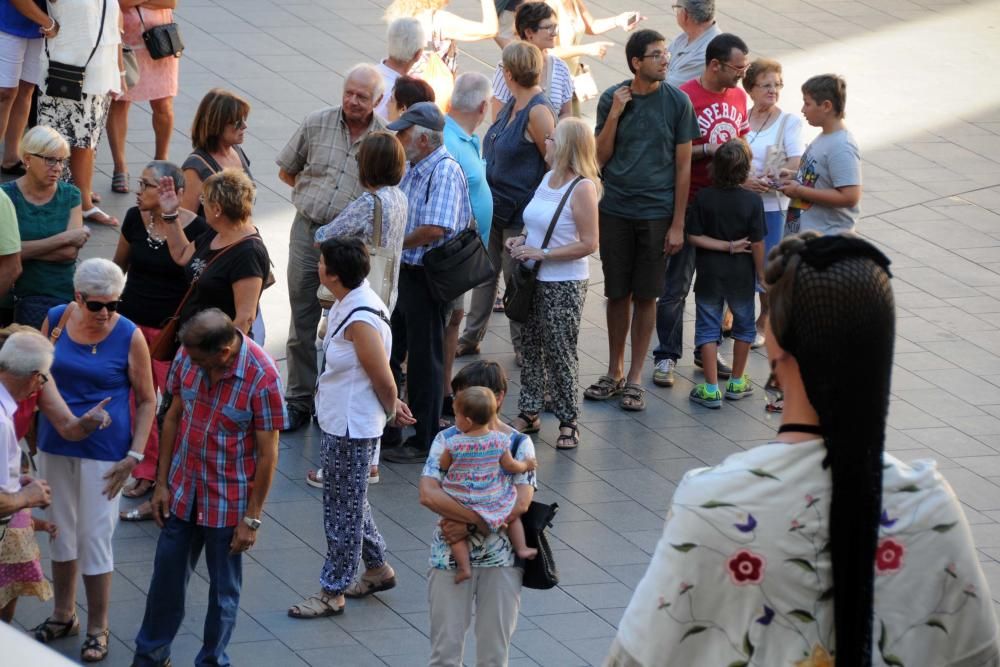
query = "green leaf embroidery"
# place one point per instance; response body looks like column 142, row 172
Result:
column 693, row 631
column 944, row 527
column 803, row 563
column 712, row 504
column 893, row 661
column 802, row 615
column 747, row 645
column 909, row 488
column 934, row 623
column 739, row 663
column 762, row 473
column 684, row 548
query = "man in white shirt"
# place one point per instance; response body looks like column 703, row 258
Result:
column 696, row 19
column 405, row 39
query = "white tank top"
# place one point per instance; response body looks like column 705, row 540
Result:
column 537, row 217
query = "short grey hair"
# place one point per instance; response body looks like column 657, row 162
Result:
column 26, row 352
column 98, row 277
column 700, row 11
column 405, row 36
column 162, row 168
column 370, row 72
column 471, row 90
column 434, row 137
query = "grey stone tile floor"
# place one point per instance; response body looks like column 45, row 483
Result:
column 930, row 133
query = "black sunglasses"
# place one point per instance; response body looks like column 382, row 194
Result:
column 95, row 306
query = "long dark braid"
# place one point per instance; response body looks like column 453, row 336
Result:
column 832, row 309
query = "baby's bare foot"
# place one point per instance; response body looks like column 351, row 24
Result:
column 462, row 574
column 527, row 553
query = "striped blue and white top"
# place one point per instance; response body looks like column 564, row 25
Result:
column 558, row 90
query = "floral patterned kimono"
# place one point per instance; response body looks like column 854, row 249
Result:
column 742, row 575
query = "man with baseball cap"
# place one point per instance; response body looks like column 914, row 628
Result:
column 439, row 207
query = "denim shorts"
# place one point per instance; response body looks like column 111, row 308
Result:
column 708, row 319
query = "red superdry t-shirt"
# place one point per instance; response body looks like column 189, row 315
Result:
column 720, row 117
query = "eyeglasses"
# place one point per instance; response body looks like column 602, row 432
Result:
column 657, row 55
column 240, row 125
column 550, row 27
column 51, row 162
column 770, row 87
column 741, row 70
column 96, row 306
column 43, row 377
column 143, row 184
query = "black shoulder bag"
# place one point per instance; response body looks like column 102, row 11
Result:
column 540, row 572
column 521, row 291
column 162, row 40
column 66, row 81
column 458, row 264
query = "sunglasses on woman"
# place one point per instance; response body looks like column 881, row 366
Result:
column 96, row 306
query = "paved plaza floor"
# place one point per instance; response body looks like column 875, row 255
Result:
column 928, row 121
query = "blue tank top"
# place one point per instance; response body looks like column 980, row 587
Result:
column 514, row 167
column 86, row 375
column 15, row 23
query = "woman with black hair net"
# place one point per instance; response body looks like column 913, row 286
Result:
column 817, row 548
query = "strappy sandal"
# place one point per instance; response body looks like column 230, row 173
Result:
column 317, row 606
column 633, row 398
column 605, row 387
column 363, row 586
column 93, row 643
column 139, row 489
column 143, row 512
column 532, row 424
column 48, row 630
column 570, row 440
column 119, row 183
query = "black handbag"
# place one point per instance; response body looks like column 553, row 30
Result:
column 540, row 572
column 66, row 81
column 458, row 264
column 162, row 40
column 520, row 293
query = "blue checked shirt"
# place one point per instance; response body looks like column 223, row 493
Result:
column 437, row 194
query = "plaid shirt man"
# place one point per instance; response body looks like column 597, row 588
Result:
column 438, row 195
column 215, row 457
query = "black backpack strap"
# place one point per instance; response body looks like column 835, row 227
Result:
column 344, row 321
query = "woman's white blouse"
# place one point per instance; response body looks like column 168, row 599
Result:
column 79, row 21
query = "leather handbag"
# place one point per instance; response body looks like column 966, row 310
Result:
column 540, row 572
column 584, row 85
column 520, row 293
column 458, row 265
column 165, row 347
column 162, row 40
column 383, row 263
column 66, row 81
column 131, row 67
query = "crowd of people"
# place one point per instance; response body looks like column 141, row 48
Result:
column 150, row 366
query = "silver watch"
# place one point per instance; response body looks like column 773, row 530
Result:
column 252, row 523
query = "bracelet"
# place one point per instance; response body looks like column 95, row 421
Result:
column 136, row 455
column 123, row 72
column 169, row 217
column 51, row 27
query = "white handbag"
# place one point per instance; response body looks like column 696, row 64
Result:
column 382, row 275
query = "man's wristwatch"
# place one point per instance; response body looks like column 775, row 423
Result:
column 136, row 455
column 252, row 523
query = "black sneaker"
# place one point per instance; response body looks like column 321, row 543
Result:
column 723, row 369
column 408, row 452
column 297, row 418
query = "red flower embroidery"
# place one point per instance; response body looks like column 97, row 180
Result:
column 745, row 567
column 889, row 556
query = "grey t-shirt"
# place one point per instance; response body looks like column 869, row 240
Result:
column 639, row 177
column 687, row 60
column 830, row 161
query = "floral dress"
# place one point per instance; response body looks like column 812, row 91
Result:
column 742, row 575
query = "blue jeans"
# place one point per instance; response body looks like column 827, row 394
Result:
column 670, row 306
column 177, row 552
column 708, row 319
column 775, row 221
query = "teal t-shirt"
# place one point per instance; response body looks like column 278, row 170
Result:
column 639, row 177
column 42, row 277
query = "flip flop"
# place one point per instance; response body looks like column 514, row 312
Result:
column 98, row 216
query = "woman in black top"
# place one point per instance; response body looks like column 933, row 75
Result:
column 218, row 129
column 154, row 287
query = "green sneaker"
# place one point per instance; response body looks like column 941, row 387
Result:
column 701, row 395
column 739, row 388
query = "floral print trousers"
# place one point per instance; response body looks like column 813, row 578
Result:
column 548, row 340
column 351, row 532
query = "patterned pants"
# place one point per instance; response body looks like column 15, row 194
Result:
column 548, row 339
column 350, row 529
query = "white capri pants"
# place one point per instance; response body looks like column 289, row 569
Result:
column 86, row 519
column 20, row 60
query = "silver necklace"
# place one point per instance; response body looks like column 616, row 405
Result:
column 762, row 127
column 153, row 240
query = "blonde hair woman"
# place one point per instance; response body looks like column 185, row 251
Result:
column 567, row 197
column 50, row 222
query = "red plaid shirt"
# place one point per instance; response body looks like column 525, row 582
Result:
column 215, row 456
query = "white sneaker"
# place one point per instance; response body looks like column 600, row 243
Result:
column 663, row 373
column 758, row 341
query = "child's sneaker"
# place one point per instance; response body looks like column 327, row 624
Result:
column 739, row 388
column 700, row 394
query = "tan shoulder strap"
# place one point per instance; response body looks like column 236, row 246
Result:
column 58, row 329
column 377, row 222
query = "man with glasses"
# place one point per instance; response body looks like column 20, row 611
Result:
column 696, row 19
column 720, row 108
column 644, row 131
column 320, row 164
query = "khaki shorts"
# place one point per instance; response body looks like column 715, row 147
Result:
column 632, row 256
